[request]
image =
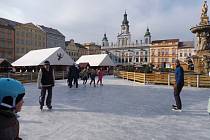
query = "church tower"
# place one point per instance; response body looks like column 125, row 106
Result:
column 124, row 38
column 147, row 37
column 105, row 41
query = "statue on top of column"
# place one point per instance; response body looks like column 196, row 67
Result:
column 204, row 9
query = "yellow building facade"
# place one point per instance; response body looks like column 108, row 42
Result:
column 28, row 37
column 163, row 53
column 92, row 48
column 75, row 50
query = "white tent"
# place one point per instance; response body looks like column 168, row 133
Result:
column 56, row 56
column 96, row 60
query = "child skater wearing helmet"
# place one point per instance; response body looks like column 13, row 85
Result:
column 11, row 101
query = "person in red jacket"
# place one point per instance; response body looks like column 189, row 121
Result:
column 100, row 76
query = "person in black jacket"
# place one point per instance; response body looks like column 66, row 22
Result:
column 179, row 83
column 45, row 81
column 73, row 75
column 11, row 101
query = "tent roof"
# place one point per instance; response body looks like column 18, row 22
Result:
column 96, row 60
column 4, row 62
column 56, row 56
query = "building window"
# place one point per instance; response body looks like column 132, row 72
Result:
column 180, row 54
column 189, row 54
column 141, row 53
column 162, row 52
column 153, row 52
column 137, row 59
column 18, row 33
column 158, row 52
column 119, row 60
column 173, row 51
column 173, row 60
column 126, row 60
column 22, row 41
column 23, row 34
column 167, row 52
column 145, row 59
column 22, row 50
column 185, row 54
column 141, row 60
column 3, row 44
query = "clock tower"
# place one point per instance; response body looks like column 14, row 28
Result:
column 124, row 37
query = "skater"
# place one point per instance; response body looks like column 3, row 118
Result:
column 11, row 101
column 92, row 77
column 45, row 81
column 73, row 74
column 100, row 76
column 84, row 75
column 179, row 83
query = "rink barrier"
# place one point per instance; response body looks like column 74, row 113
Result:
column 191, row 80
column 28, row 77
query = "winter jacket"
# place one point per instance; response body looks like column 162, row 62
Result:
column 92, row 74
column 100, row 74
column 46, row 78
column 9, row 126
column 179, row 75
column 84, row 74
column 73, row 72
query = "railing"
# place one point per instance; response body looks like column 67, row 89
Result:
column 164, row 78
column 27, row 77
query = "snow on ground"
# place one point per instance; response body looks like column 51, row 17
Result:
column 119, row 110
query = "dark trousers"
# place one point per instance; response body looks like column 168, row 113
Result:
column 49, row 96
column 99, row 80
column 84, row 80
column 177, row 91
column 93, row 80
column 76, row 81
column 70, row 80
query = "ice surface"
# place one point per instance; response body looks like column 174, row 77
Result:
column 119, row 110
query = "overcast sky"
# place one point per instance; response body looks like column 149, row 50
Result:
column 87, row 20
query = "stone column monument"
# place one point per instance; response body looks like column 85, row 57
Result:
column 201, row 59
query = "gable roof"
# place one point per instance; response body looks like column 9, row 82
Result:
column 186, row 44
column 56, row 56
column 9, row 22
column 51, row 30
column 4, row 62
column 96, row 60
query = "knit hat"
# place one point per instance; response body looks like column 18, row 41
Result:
column 46, row 62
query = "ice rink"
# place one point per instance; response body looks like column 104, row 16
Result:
column 119, row 110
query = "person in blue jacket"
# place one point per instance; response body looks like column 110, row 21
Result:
column 179, row 83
